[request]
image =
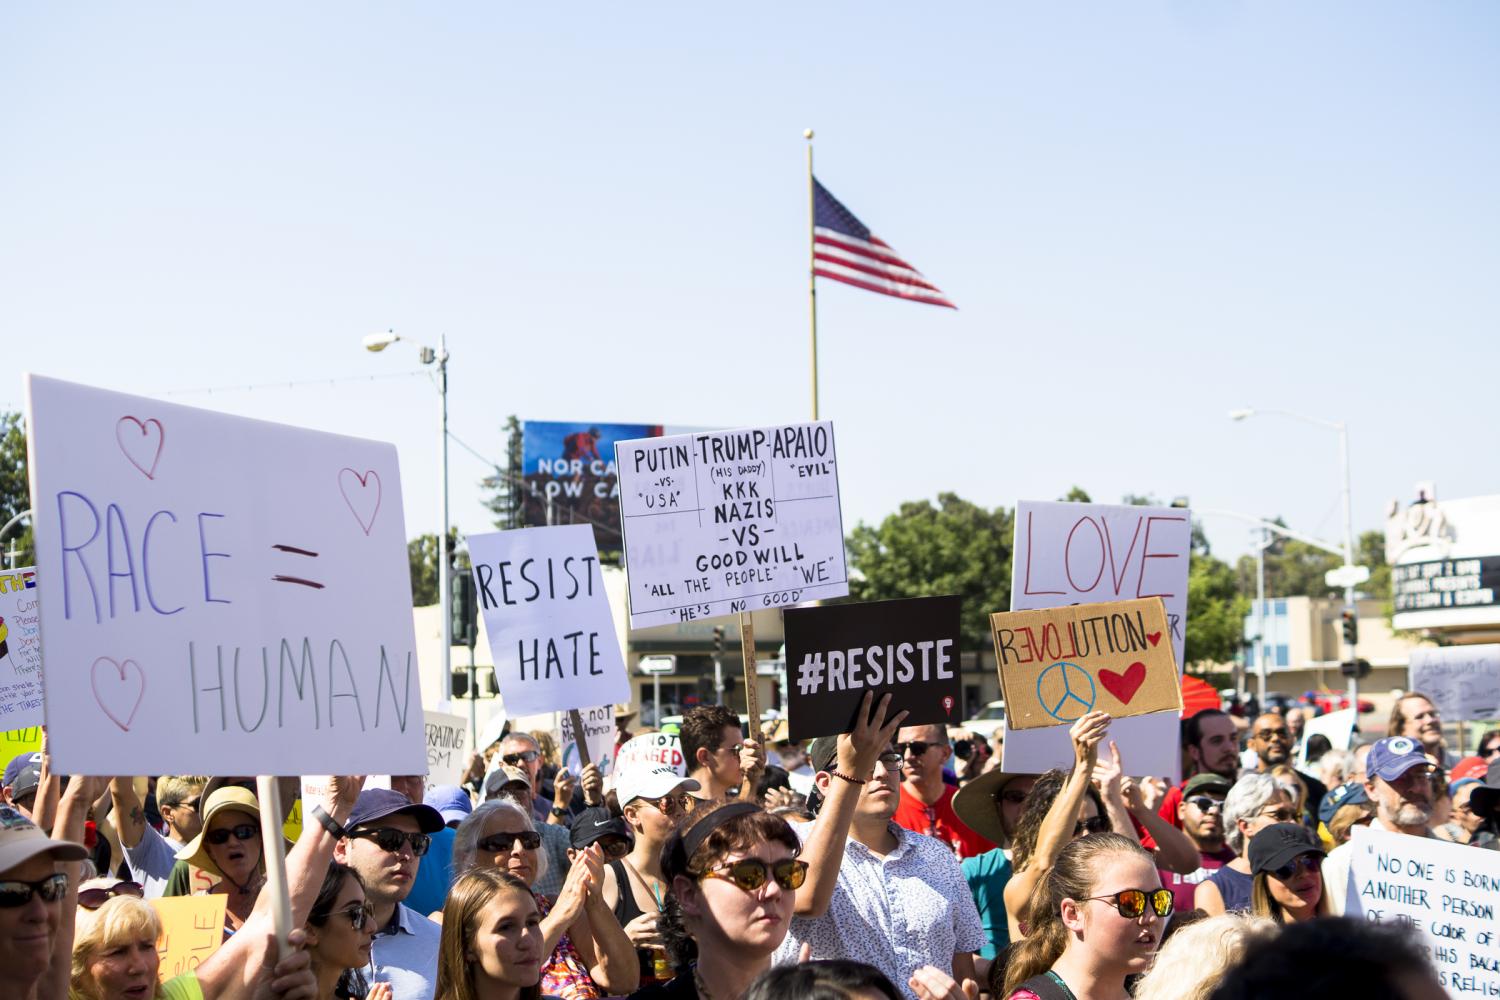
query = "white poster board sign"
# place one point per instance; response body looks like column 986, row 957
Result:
column 599, row 737
column 1088, row 553
column 447, row 748
column 20, row 650
column 547, row 618
column 1462, row 681
column 1337, row 727
column 728, row 521
column 1445, row 892
column 217, row 590
column 651, row 750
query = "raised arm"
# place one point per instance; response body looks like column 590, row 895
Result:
column 129, row 818
column 598, row 936
column 72, row 811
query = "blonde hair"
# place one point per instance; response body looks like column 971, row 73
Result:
column 1287, row 777
column 1193, row 961
column 174, row 789
column 1345, row 817
column 120, row 919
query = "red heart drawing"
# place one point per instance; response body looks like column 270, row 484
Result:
column 135, row 442
column 363, row 501
column 1153, row 637
column 113, row 688
column 1124, row 686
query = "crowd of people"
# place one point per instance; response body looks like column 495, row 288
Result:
column 878, row 863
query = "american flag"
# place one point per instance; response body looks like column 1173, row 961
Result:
column 845, row 250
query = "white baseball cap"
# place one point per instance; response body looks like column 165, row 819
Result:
column 650, row 781
column 21, row 840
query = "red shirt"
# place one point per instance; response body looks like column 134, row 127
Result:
column 1184, row 887
column 1168, row 812
column 940, row 821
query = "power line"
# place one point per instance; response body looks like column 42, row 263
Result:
column 294, row 384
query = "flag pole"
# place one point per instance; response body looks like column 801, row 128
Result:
column 812, row 264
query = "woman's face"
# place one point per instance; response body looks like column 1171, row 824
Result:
column 1278, row 809
column 1299, row 893
column 1010, row 800
column 338, row 945
column 1129, row 942
column 511, row 856
column 1088, row 817
column 507, row 944
column 126, row 970
column 755, row 922
column 1466, row 817
column 236, row 858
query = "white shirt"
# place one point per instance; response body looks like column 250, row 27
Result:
column 1337, row 865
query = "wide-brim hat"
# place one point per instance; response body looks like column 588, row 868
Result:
column 974, row 803
column 227, row 797
column 21, row 840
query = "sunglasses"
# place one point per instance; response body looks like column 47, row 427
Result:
column 14, row 893
column 1131, row 903
column 752, row 873
column 915, row 747
column 499, row 843
column 359, row 915
column 1305, row 862
column 1490, row 751
column 1094, row 824
column 1281, row 814
column 92, row 899
column 240, row 831
column 681, row 802
column 1203, row 803
column 1013, row 796
column 734, row 749
column 525, row 756
column 1284, row 735
column 183, row 804
column 390, row 840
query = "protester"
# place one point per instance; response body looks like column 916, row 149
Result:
column 1489, row 745
column 1096, row 918
column 1485, row 802
column 229, row 847
column 1201, row 816
column 23, row 776
column 512, row 783
column 1193, row 959
column 1342, row 809
column 1272, row 742
column 114, row 945
column 718, row 756
column 1211, row 742
column 150, row 855
column 1334, row 958
column 340, row 928
column 991, row 806
column 829, row 979
column 492, row 945
column 1417, row 718
column 1287, row 861
column 521, row 750
column 1254, row 803
column 1334, row 768
column 926, row 804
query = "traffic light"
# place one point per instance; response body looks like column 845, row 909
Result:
column 463, row 610
column 1355, row 668
column 1351, row 626
column 718, row 640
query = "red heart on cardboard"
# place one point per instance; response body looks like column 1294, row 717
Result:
column 1124, row 686
column 1153, row 637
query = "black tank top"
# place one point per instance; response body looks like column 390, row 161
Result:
column 626, row 910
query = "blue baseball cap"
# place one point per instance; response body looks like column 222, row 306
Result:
column 1352, row 794
column 451, row 802
column 378, row 803
column 1393, row 756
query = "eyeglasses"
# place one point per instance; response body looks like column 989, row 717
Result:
column 191, row 803
column 1012, row 795
column 1284, row 735
column 891, row 758
column 1203, row 803
column 359, row 915
column 524, row 757
column 240, row 831
column 914, row 747
column 734, row 749
column 1131, row 903
column 1305, row 862
column 497, row 843
column 1490, row 751
column 390, row 840
column 1281, row 814
column 15, row 893
column 752, row 873
column 1094, row 824
column 92, row 899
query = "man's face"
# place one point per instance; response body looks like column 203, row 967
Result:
column 1406, row 801
column 1218, row 748
column 519, row 749
column 387, row 875
column 27, row 932
column 413, row 786
column 882, row 793
column 1423, row 723
column 724, row 763
column 1271, row 739
column 1202, row 817
column 924, row 750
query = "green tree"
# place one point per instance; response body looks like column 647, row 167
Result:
column 1215, row 608
column 1296, row 569
column 953, row 547
column 15, row 492
column 422, row 554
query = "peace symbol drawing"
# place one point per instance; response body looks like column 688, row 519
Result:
column 1066, row 691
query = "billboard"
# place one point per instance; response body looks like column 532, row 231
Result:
column 569, row 467
column 1445, row 562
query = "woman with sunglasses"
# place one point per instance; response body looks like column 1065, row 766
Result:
column 1097, row 917
column 1254, row 803
column 229, row 847
column 588, row 954
column 733, row 875
column 1287, row 860
column 339, row 930
column 114, row 946
column 492, row 946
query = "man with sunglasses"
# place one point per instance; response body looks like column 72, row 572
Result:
column 150, row 855
column 718, row 756
column 1271, row 739
column 383, row 841
column 521, row 750
column 926, row 802
column 1200, row 815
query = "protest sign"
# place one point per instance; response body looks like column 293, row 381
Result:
column 599, row 739
column 20, row 649
column 651, row 750
column 219, row 590
column 908, row 648
column 726, row 522
column 547, row 617
column 192, row 928
column 1336, row 727
column 1445, row 892
column 447, row 748
column 15, row 742
column 1462, row 681
column 1059, row 664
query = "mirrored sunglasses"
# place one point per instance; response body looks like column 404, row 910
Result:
column 15, row 893
column 752, row 873
column 1131, row 903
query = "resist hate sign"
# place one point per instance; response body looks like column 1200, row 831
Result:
column 835, row 654
column 219, row 590
column 20, row 650
column 547, row 616
column 723, row 522
column 1462, row 681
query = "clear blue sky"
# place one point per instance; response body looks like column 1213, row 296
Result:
column 1148, row 213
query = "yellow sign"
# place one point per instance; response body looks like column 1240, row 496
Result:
column 192, row 928
column 15, row 742
column 1061, row 663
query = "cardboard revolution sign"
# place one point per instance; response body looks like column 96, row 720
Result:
column 719, row 523
column 1060, row 664
column 599, row 739
column 1446, row 892
column 1462, row 681
column 20, row 650
column 447, row 748
column 220, row 590
column 547, row 617
column 835, row 654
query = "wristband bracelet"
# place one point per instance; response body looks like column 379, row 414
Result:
column 328, row 823
column 852, row 781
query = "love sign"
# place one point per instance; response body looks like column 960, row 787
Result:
column 217, row 589
column 1060, row 664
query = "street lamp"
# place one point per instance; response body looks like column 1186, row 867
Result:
column 1348, row 570
column 375, row 343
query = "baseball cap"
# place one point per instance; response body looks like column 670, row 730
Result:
column 1352, row 794
column 451, row 802
column 24, row 779
column 21, row 840
column 1207, row 782
column 1393, row 756
column 378, row 803
column 505, row 777
column 823, row 752
column 1469, row 767
column 1280, row 843
column 651, row 781
column 595, row 822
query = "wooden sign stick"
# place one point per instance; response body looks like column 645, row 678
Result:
column 747, row 655
column 580, row 738
column 274, row 849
